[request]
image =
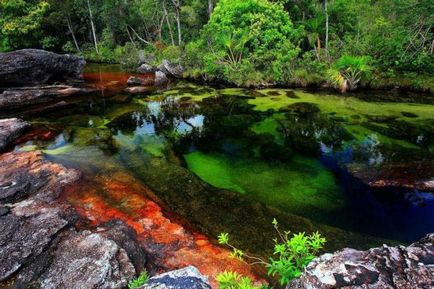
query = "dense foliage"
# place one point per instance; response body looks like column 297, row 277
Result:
column 247, row 42
column 292, row 253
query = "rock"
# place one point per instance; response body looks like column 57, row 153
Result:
column 31, row 225
column 146, row 68
column 378, row 268
column 32, row 67
column 135, row 81
column 23, row 238
column 21, row 97
column 186, row 278
column 85, row 260
column 126, row 238
column 161, row 78
column 171, row 69
column 408, row 175
column 10, row 129
column 29, row 175
column 139, row 89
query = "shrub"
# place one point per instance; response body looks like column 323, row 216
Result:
column 139, row 281
column 351, row 69
column 233, row 280
column 291, row 254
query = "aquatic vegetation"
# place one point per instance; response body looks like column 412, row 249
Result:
column 139, row 281
column 290, row 256
column 303, row 185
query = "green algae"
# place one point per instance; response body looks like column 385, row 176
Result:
column 342, row 105
column 302, row 186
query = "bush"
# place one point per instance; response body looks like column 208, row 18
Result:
column 233, row 280
column 291, row 254
column 139, row 281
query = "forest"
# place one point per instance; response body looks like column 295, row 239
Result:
column 341, row 43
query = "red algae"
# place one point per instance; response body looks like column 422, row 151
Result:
column 111, row 81
column 168, row 242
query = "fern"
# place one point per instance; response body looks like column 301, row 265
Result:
column 139, row 281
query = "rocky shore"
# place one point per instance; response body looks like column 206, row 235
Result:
column 31, row 76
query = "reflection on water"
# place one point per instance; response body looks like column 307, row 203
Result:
column 232, row 159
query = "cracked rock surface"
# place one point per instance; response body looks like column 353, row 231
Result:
column 378, row 268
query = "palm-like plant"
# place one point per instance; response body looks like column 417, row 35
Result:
column 349, row 70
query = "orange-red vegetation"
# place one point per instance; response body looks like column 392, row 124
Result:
column 171, row 245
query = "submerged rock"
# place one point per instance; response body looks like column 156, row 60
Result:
column 26, row 96
column 10, row 129
column 409, row 175
column 135, row 81
column 186, row 278
column 378, row 268
column 33, row 67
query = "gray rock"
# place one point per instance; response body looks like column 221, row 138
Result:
column 126, row 238
column 80, row 260
column 171, row 69
column 161, row 78
column 377, row 268
column 135, row 81
column 26, row 96
column 10, row 129
column 146, row 68
column 23, row 238
column 186, row 278
column 32, row 67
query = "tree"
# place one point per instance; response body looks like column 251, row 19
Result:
column 250, row 35
column 21, row 22
column 349, row 70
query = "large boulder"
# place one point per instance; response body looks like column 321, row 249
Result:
column 21, row 97
column 85, row 260
column 10, row 129
column 29, row 185
column 38, row 245
column 29, row 67
column 171, row 69
column 161, row 78
column 378, row 268
column 186, row 278
column 146, row 68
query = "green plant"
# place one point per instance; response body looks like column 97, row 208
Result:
column 291, row 253
column 351, row 70
column 139, row 281
column 233, row 280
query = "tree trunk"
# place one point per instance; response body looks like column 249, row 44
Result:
column 210, row 7
column 168, row 22
column 73, row 34
column 327, row 27
column 177, row 5
column 93, row 27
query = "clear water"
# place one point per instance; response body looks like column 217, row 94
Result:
column 229, row 159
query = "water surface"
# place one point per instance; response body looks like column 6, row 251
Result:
column 230, row 159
